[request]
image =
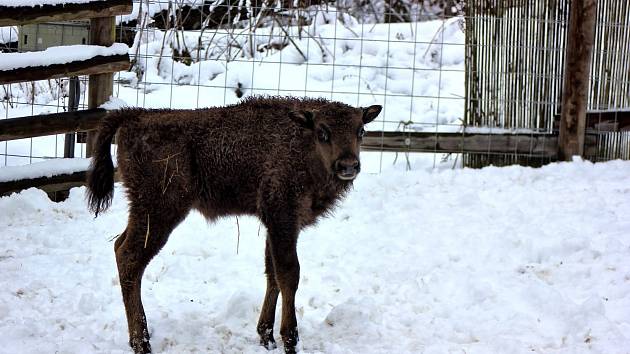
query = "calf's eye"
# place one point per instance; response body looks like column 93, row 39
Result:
column 323, row 136
column 361, row 133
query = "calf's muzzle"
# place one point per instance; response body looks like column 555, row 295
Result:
column 347, row 168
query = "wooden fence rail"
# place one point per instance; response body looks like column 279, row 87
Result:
column 97, row 65
column 49, row 124
column 539, row 145
column 20, row 15
column 542, row 145
column 532, row 145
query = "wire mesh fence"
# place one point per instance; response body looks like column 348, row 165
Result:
column 34, row 98
column 275, row 49
column 436, row 66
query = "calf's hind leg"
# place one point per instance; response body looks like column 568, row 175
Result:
column 145, row 235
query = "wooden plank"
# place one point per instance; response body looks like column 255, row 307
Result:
column 101, row 86
column 49, row 124
column 608, row 121
column 20, row 15
column 579, row 51
column 542, row 145
column 96, row 65
column 87, row 120
column 604, row 121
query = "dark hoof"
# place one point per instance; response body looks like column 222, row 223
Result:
column 266, row 337
column 290, row 341
column 268, row 343
column 140, row 346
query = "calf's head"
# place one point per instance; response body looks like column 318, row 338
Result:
column 337, row 133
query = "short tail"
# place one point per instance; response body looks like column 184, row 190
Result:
column 100, row 179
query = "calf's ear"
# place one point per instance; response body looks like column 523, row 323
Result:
column 302, row 118
column 370, row 113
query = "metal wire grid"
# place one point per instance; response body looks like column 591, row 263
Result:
column 332, row 91
column 27, row 151
column 352, row 95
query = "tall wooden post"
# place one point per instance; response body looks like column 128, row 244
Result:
column 101, row 86
column 582, row 21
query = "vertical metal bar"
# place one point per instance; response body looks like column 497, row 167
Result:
column 506, row 75
column 73, row 104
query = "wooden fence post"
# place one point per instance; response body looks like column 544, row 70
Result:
column 579, row 52
column 101, row 86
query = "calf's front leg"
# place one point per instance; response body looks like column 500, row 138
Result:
column 278, row 210
column 268, row 311
column 281, row 244
column 287, row 267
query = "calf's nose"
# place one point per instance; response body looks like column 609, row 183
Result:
column 348, row 165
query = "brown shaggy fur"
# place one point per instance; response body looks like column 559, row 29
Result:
column 284, row 160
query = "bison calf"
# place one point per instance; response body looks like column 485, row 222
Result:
column 285, row 160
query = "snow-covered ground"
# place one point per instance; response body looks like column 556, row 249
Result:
column 498, row 260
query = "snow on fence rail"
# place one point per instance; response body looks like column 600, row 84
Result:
column 63, row 61
column 52, row 176
column 46, row 169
